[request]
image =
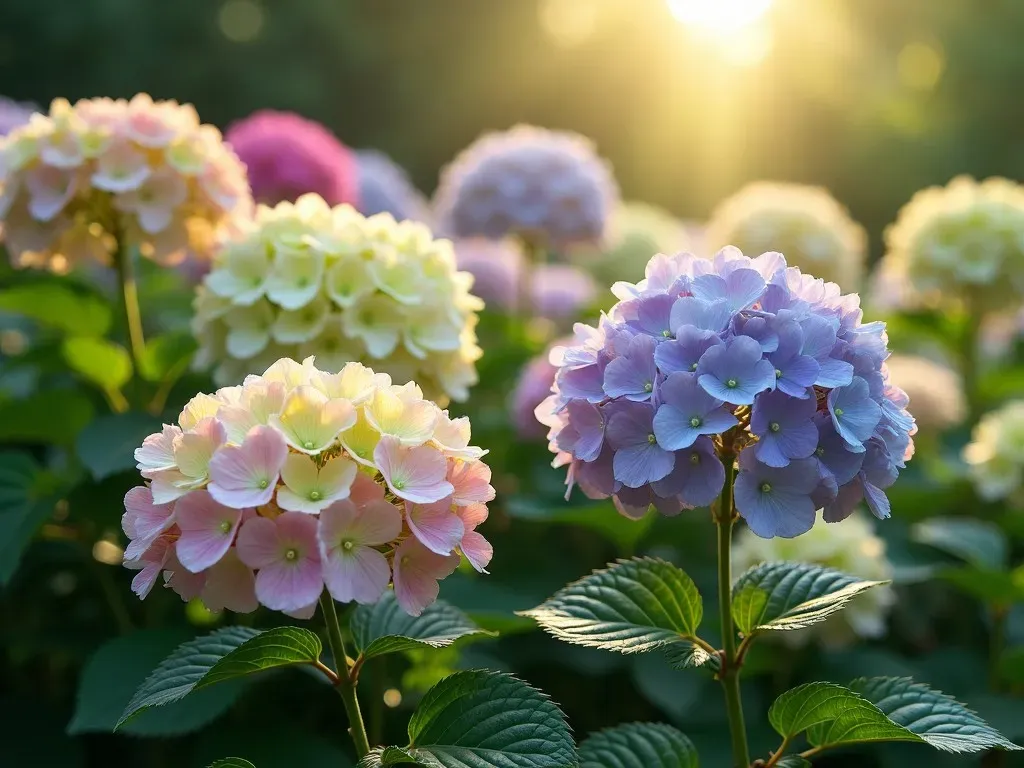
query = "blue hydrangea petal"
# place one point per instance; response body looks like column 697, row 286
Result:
column 697, row 477
column 640, row 464
column 711, row 315
column 740, row 288
column 683, row 352
column 854, row 414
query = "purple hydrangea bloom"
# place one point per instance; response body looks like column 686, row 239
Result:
column 287, row 156
column 545, row 186
column 707, row 363
column 14, row 114
column 385, row 187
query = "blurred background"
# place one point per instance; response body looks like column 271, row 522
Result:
column 688, row 101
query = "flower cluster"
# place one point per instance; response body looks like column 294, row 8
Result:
column 706, row 360
column 307, row 279
column 935, row 389
column 532, row 387
column 14, row 114
column 961, row 242
column 287, row 156
column 806, row 223
column 995, row 455
column 852, row 548
column 547, row 187
column 266, row 493
column 384, row 187
column 87, row 179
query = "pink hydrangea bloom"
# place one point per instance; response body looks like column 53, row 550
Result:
column 301, row 479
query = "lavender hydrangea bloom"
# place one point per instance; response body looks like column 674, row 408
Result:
column 385, row 187
column 541, row 185
column 704, row 362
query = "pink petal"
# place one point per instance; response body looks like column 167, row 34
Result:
column 149, row 566
column 420, row 471
column 417, row 570
column 207, row 530
column 157, row 450
column 477, row 549
column 373, row 525
column 472, row 481
column 438, row 528
column 258, row 544
column 473, row 515
column 143, row 521
column 365, row 490
column 361, row 574
column 290, row 586
column 305, row 613
column 187, row 585
column 230, row 585
column 246, row 475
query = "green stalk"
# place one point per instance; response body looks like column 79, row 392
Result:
column 133, row 316
column 730, row 674
column 346, row 688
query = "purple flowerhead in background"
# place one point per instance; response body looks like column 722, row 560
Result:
column 287, row 156
column 548, row 187
column 385, row 187
column 708, row 367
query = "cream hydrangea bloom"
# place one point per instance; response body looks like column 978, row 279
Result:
column 806, row 223
column 80, row 182
column 964, row 241
column 995, row 455
column 852, row 548
column 935, row 390
column 305, row 278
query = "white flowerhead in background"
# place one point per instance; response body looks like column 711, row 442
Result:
column 304, row 279
column 995, row 455
column 935, row 390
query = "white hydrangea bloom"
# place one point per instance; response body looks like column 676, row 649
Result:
column 307, row 279
column 995, row 454
column 851, row 547
column 806, row 223
column 935, row 390
column 964, row 241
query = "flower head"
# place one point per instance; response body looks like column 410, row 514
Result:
column 704, row 361
column 301, row 479
column 806, row 223
column 287, row 156
column 539, row 185
column 384, row 187
column 995, row 455
column 307, row 277
column 103, row 174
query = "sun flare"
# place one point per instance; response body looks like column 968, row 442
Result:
column 719, row 16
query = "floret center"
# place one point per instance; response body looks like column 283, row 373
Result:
column 695, row 422
column 291, row 554
column 775, row 426
column 648, row 387
column 766, row 487
column 308, row 445
column 778, row 374
column 839, row 411
column 652, row 439
column 695, row 458
column 225, row 526
column 314, row 495
column 819, row 451
column 264, row 483
column 732, row 383
column 347, row 545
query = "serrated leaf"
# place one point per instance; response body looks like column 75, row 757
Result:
column 787, row 596
column 638, row 745
column 27, row 499
column 102, row 362
column 59, row 306
column 116, row 670
column 53, row 416
column 480, row 719
column 223, row 655
column 979, row 542
column 383, row 627
column 231, row 762
column 630, row 607
column 381, row 757
column 681, row 656
column 814, row 704
column 107, row 446
column 938, row 719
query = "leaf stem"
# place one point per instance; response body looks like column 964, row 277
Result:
column 812, row 751
column 778, row 753
column 730, row 673
column 344, row 685
column 123, row 259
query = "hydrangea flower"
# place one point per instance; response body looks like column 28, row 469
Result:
column 532, row 387
column 385, row 187
column 14, row 114
column 935, row 389
column 287, row 155
column 301, row 479
column 962, row 242
column 852, row 548
column 546, row 187
column 307, row 279
column 709, row 361
column 995, row 455
column 806, row 223
column 87, row 179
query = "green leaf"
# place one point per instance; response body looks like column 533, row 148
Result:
column 116, row 670
column 50, row 417
column 815, row 704
column 107, row 446
column 979, row 542
column 633, row 606
column 1011, row 665
column 936, row 718
column 385, row 756
column 104, row 363
column 638, row 745
column 27, row 498
column 223, row 655
column 166, row 355
column 482, row 719
column 383, row 627
column 681, row 656
column 58, row 306
column 786, row 596
column 992, row 586
column 231, row 762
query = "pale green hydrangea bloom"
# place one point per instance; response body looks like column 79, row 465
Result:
column 995, row 454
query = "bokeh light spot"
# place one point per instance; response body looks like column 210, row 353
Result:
column 569, row 23
column 719, row 15
column 392, row 697
column 920, row 66
column 107, row 552
column 240, row 20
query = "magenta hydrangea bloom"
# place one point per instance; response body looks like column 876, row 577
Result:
column 549, row 187
column 287, row 155
column 300, row 480
column 705, row 361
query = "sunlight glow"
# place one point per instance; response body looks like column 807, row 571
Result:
column 719, row 16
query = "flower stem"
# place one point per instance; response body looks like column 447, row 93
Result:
column 730, row 673
column 346, row 688
column 969, row 365
column 126, row 273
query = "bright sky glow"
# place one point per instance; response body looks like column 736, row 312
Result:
column 719, row 16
